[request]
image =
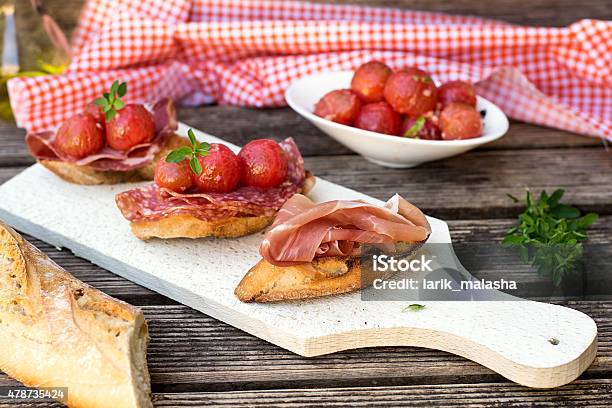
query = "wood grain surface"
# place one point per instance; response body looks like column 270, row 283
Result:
column 198, row 361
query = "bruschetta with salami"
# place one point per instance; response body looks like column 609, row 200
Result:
column 207, row 190
column 109, row 142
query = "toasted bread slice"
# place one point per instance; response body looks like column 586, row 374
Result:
column 327, row 276
column 322, row 277
column 89, row 176
column 188, row 226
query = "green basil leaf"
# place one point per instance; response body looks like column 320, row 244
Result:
column 110, row 114
column 195, row 165
column 178, row 155
column 192, row 138
column 122, row 90
column 556, row 196
column 588, row 219
column 414, row 130
column 101, row 102
column 415, row 307
column 114, row 88
column 565, row 211
column 118, row 104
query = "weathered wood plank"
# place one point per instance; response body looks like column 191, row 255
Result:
column 592, row 393
column 191, row 351
column 248, row 124
column 476, row 185
column 587, row 393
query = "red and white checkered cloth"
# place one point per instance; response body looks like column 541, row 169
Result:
column 246, row 52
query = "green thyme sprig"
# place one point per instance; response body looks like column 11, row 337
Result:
column 416, row 127
column 111, row 101
column 192, row 152
column 550, row 235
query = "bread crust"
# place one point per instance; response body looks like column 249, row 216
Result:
column 270, row 283
column 188, row 226
column 324, row 276
column 86, row 175
column 56, row 331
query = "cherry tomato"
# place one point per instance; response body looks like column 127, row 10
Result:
column 264, row 163
column 369, row 81
column 460, row 121
column 96, row 112
column 221, row 170
column 79, row 136
column 428, row 131
column 131, row 126
column 173, row 176
column 341, row 106
column 457, row 91
column 411, row 91
column 378, row 117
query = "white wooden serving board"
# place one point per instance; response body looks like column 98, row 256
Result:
column 511, row 337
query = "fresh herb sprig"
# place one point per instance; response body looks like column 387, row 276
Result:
column 192, row 152
column 416, row 127
column 550, row 235
column 415, row 307
column 111, row 101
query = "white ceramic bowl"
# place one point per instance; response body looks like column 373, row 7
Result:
column 386, row 150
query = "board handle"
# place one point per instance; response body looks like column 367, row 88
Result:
column 531, row 343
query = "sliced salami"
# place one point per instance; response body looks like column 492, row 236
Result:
column 152, row 202
column 41, row 145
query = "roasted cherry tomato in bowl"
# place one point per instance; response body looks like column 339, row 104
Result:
column 79, row 136
column 173, row 176
column 132, row 125
column 411, row 91
column 457, row 91
column 420, row 128
column 340, row 106
column 378, row 117
column 369, row 81
column 221, row 170
column 264, row 163
column 460, row 121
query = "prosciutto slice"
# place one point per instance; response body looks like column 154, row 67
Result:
column 151, row 202
column 304, row 230
column 41, row 145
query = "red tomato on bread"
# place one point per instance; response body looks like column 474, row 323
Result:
column 79, row 136
column 173, row 176
column 264, row 163
column 132, row 125
column 221, row 170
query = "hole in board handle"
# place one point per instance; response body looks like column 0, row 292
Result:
column 554, row 341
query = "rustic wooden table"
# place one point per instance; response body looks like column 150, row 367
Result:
column 195, row 360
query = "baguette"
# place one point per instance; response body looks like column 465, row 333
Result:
column 87, row 175
column 188, row 226
column 56, row 331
